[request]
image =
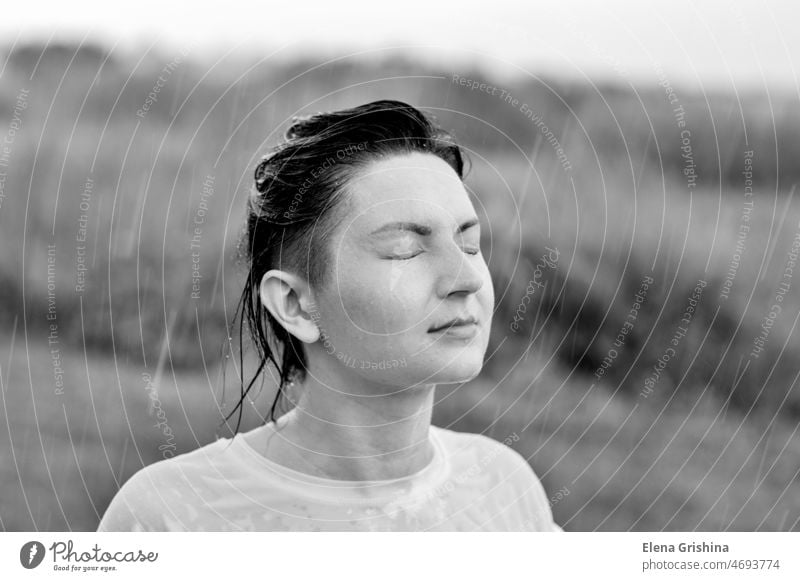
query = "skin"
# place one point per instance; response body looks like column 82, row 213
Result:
column 384, row 292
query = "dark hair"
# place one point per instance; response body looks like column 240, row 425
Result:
column 288, row 220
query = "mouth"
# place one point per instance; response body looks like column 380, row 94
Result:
column 457, row 323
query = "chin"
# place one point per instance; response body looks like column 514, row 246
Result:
column 459, row 370
column 450, row 363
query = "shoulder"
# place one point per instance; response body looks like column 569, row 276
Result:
column 484, row 450
column 148, row 499
column 473, row 455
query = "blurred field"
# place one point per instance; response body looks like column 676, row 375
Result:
column 713, row 447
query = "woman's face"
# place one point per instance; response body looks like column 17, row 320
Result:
column 408, row 298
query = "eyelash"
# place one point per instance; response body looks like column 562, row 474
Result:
column 406, row 257
column 473, row 253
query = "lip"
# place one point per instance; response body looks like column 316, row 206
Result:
column 460, row 326
column 459, row 331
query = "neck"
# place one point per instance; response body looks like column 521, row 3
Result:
column 346, row 436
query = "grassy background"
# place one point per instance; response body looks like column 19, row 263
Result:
column 714, row 447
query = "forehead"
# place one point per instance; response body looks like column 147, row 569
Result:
column 409, row 186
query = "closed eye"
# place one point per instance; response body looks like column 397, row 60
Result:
column 405, row 256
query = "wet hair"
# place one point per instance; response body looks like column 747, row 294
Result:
column 290, row 214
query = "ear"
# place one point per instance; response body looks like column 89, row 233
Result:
column 288, row 298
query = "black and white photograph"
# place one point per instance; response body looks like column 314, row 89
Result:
column 400, row 267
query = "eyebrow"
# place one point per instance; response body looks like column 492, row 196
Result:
column 421, row 229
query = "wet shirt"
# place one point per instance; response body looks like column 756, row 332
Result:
column 473, row 483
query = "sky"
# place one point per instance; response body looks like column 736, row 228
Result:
column 713, row 43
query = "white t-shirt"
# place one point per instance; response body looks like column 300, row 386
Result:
column 473, row 483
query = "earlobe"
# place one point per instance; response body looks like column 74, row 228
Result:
column 284, row 295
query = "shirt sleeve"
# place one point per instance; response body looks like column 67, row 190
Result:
column 136, row 507
column 536, row 511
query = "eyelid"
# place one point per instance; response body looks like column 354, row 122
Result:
column 415, row 253
column 470, row 241
column 471, row 248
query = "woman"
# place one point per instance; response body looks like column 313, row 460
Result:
column 366, row 289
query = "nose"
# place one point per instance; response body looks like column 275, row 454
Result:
column 460, row 273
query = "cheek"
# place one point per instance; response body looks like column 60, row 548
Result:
column 486, row 296
column 387, row 298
